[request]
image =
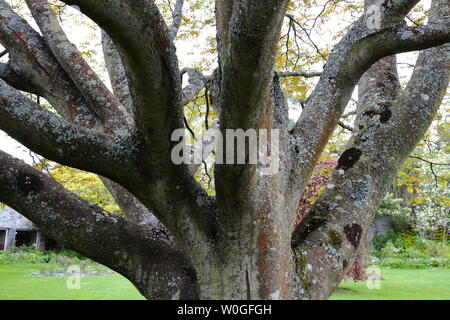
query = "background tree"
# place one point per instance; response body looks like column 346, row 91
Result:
column 175, row 239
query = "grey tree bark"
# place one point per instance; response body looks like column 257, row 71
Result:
column 174, row 240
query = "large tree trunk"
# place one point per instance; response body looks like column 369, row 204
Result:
column 173, row 240
column 241, row 270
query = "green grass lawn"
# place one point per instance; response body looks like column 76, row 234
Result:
column 400, row 284
column 16, row 283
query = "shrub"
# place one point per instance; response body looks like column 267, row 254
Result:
column 399, row 250
column 32, row 254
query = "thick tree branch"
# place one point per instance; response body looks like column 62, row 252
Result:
column 131, row 207
column 141, row 37
column 14, row 78
column 117, row 74
column 177, row 18
column 95, row 233
column 224, row 10
column 253, row 36
column 398, row 39
column 33, row 68
column 56, row 139
column 245, row 100
column 101, row 100
column 386, row 133
column 364, row 44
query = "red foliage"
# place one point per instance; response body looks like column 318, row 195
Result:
column 356, row 271
column 318, row 179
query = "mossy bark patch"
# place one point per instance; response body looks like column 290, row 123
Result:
column 385, row 114
column 335, row 239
